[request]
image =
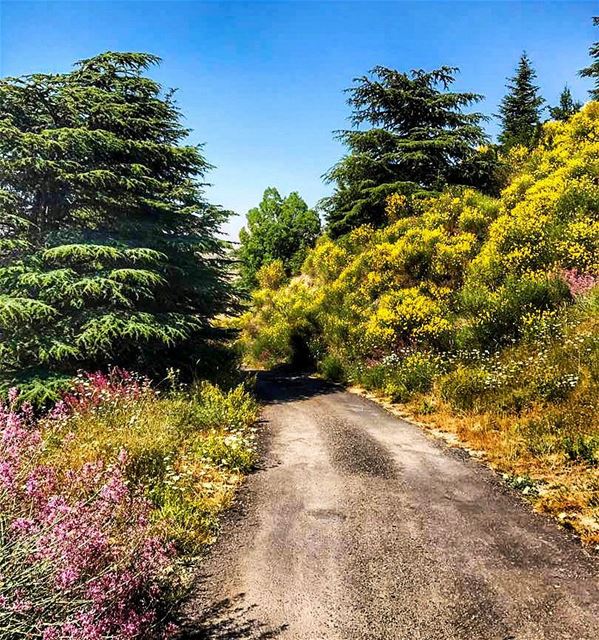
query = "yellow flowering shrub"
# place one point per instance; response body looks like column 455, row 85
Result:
column 272, row 275
column 482, row 311
column 404, row 316
column 550, row 211
column 398, row 206
column 454, row 270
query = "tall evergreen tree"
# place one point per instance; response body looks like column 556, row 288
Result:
column 592, row 71
column 277, row 229
column 108, row 250
column 419, row 139
column 520, row 109
column 567, row 106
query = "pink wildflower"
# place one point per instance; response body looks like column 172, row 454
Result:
column 579, row 283
column 13, row 394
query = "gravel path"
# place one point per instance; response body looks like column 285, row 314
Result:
column 358, row 525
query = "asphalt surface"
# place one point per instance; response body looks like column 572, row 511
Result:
column 358, row 525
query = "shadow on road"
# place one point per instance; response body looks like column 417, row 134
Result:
column 230, row 619
column 278, row 386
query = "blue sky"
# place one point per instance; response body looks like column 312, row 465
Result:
column 261, row 83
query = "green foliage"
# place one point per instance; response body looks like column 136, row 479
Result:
column 331, row 368
column 277, row 229
column 420, row 140
column 567, row 106
column 520, row 109
column 186, row 449
column 108, row 250
column 279, row 322
column 498, row 316
column 463, row 387
column 214, row 407
column 592, row 71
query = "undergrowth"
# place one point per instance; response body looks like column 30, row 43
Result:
column 102, row 497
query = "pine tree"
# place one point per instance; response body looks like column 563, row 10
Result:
column 566, row 108
column 520, row 109
column 277, row 229
column 592, row 71
column 420, row 139
column 108, row 250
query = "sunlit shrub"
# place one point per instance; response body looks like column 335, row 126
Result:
column 579, row 283
column 464, row 387
column 499, row 316
column 185, row 449
column 272, row 275
column 398, row 206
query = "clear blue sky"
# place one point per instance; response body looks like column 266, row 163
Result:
column 261, row 83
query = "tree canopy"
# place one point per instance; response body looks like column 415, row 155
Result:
column 108, row 249
column 592, row 71
column 567, row 106
column 419, row 138
column 277, row 229
column 520, row 108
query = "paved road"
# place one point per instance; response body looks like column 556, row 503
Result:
column 360, row 526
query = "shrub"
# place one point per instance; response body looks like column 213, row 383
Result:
column 272, row 275
column 78, row 557
column 499, row 316
column 213, row 408
column 464, row 387
column 332, row 368
column 583, row 447
column 579, row 283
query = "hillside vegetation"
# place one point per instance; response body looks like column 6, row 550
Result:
column 478, row 313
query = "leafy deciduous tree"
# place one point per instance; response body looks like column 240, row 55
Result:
column 277, row 229
column 108, row 249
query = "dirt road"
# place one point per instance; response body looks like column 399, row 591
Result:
column 358, row 525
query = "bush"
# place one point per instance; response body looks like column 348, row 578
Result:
column 235, row 410
column 464, row 388
column 500, row 316
column 583, row 448
column 78, row 557
column 332, row 369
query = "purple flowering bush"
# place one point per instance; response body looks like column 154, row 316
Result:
column 579, row 283
column 78, row 557
column 101, row 496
